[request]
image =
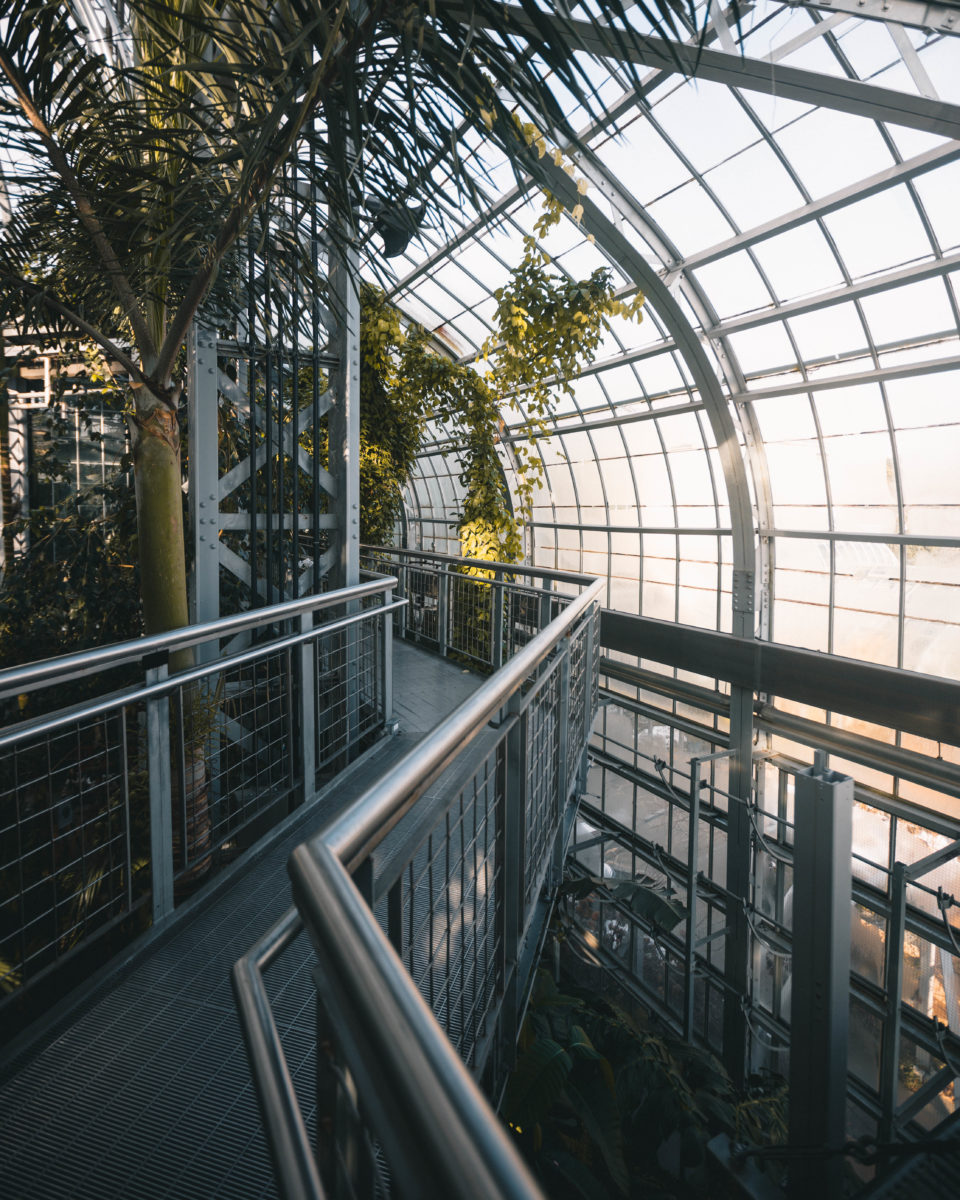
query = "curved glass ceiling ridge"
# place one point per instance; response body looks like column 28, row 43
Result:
column 804, row 246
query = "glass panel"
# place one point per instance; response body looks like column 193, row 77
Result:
column 734, row 285
column 880, row 232
column 735, row 184
column 799, row 262
column 907, row 312
column 831, row 149
column 938, row 191
column 690, row 218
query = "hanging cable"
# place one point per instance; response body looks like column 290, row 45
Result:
column 659, row 764
column 787, row 860
column 945, row 901
column 748, row 912
column 762, row 1037
column 942, row 1030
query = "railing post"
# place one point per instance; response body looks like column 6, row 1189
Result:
column 736, row 958
column 590, row 674
column 893, row 978
column 515, row 798
column 496, row 619
column 443, row 610
column 564, row 731
column 693, row 868
column 563, row 757
column 308, row 710
column 387, row 664
column 546, row 607
column 352, row 643
column 820, row 1007
column 161, row 801
column 401, row 571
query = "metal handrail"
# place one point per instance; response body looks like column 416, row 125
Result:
column 124, row 699
column 286, row 1133
column 16, row 680
column 484, row 565
column 445, row 1121
column 361, row 827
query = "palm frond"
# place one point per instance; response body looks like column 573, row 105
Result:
column 139, row 174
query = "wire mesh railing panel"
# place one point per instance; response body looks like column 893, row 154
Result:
column 543, row 802
column 74, row 833
column 470, row 618
column 524, row 613
column 232, row 751
column 349, row 689
column 449, row 931
column 582, row 690
column 422, row 590
column 138, row 794
column 482, row 612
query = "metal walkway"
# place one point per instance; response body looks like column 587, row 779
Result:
column 145, row 1090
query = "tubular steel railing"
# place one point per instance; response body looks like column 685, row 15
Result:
column 131, row 796
column 660, row 804
column 426, row 902
column 477, row 611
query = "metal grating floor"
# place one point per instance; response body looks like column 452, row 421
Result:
column 146, row 1092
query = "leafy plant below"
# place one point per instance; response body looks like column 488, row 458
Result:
column 602, row 1106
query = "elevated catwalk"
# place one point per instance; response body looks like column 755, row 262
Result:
column 144, row 1090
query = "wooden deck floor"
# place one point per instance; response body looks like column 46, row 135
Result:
column 145, row 1090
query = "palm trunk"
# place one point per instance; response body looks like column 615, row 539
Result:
column 163, row 575
column 163, row 585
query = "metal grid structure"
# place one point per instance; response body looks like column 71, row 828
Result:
column 441, row 913
column 130, row 798
column 660, row 806
column 426, row 903
column 772, row 449
column 68, row 842
column 480, row 612
column 350, row 671
column 544, row 798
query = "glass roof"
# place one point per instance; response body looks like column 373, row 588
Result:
column 788, row 406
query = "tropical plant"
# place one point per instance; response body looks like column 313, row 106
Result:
column 604, row 1105
column 598, row 1101
column 546, row 330
column 144, row 156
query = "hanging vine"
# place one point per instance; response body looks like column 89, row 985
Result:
column 548, row 328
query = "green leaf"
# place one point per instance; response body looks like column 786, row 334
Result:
column 580, row 1045
column 536, row 1082
column 595, row 1104
column 651, row 904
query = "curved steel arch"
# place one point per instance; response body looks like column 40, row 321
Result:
column 623, row 252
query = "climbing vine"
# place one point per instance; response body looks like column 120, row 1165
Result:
column 547, row 330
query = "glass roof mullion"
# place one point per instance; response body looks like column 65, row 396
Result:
column 911, row 60
column 716, row 513
column 881, row 181
column 831, row 543
column 827, row 383
column 887, row 281
column 618, row 422
column 901, row 526
column 887, row 539
column 817, row 29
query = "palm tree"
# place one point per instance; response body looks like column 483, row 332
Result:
column 147, row 141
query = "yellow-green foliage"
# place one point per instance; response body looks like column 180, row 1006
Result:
column 548, row 328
